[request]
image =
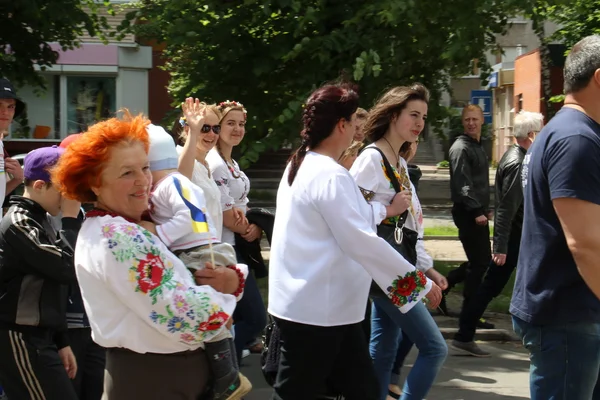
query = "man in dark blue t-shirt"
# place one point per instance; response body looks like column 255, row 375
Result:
column 555, row 304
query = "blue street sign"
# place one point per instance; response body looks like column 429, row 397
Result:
column 493, row 80
column 483, row 98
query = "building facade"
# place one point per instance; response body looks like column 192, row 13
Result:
column 86, row 85
column 519, row 40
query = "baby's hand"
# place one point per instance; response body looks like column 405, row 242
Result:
column 229, row 324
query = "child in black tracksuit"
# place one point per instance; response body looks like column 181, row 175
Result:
column 36, row 267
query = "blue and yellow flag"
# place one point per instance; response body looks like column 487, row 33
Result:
column 199, row 223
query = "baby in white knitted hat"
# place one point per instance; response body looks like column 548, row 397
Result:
column 177, row 207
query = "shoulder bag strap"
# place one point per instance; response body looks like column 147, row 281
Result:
column 394, row 181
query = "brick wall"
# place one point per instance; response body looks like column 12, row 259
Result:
column 528, row 81
column 159, row 101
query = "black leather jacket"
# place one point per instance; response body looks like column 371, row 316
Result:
column 469, row 176
column 509, row 197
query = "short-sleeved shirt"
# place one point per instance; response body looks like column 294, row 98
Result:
column 201, row 177
column 563, row 162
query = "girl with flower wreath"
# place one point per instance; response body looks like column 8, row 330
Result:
column 250, row 316
column 396, row 121
column 197, row 143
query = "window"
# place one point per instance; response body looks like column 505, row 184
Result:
column 89, row 100
column 69, row 105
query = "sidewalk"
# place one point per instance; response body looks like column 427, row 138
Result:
column 505, row 375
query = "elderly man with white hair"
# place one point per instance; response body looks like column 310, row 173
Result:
column 508, row 222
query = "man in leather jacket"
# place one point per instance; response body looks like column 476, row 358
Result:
column 508, row 223
column 470, row 190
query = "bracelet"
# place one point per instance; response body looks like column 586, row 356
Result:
column 242, row 283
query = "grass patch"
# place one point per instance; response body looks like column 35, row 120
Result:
column 444, row 230
column 500, row 303
column 448, row 230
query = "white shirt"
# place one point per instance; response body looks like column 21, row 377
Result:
column 325, row 250
column 369, row 173
column 173, row 217
column 233, row 184
column 140, row 296
column 212, row 194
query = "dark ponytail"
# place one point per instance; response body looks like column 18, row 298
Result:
column 324, row 108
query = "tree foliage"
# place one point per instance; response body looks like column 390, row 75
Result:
column 270, row 54
column 577, row 18
column 30, row 26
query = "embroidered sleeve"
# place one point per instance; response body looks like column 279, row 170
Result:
column 221, row 177
column 339, row 205
column 156, row 285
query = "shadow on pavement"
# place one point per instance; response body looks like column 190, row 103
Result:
column 505, row 375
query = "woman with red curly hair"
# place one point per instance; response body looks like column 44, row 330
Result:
column 142, row 302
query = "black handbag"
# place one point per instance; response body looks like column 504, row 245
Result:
column 401, row 238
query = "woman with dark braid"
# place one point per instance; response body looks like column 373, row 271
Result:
column 324, row 255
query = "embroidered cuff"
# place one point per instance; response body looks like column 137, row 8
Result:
column 406, row 291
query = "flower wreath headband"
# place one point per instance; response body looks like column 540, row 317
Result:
column 224, row 107
column 227, row 106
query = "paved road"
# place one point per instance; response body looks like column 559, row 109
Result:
column 503, row 376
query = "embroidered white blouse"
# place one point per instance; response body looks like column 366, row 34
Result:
column 201, row 178
column 325, row 251
column 138, row 295
column 369, row 172
column 234, row 186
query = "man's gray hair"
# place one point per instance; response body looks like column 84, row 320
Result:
column 526, row 122
column 581, row 64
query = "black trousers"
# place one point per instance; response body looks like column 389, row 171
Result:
column 91, row 359
column 475, row 240
column 494, row 281
column 30, row 367
column 315, row 358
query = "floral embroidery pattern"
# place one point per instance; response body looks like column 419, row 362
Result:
column 405, row 290
column 181, row 310
column 108, row 230
column 396, row 175
column 405, row 184
column 221, row 182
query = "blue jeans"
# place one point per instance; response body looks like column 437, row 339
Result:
column 565, row 359
column 403, row 349
column 386, row 324
column 250, row 316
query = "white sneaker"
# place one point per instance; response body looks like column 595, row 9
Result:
column 245, row 353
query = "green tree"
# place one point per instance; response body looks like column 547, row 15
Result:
column 271, row 54
column 577, row 19
column 29, row 26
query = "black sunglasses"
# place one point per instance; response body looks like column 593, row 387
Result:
column 215, row 128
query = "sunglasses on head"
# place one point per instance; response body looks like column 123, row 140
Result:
column 215, row 128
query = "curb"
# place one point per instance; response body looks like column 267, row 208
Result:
column 484, row 335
